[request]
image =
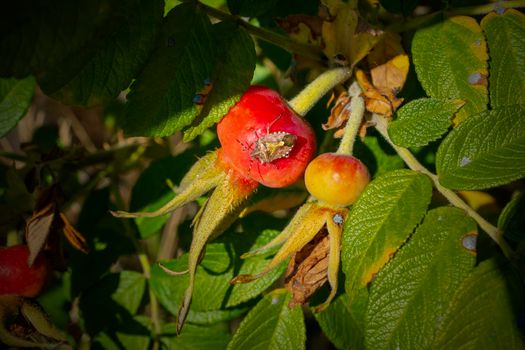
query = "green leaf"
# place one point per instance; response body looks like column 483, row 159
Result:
column 232, row 73
column 15, row 99
column 451, row 62
column 114, row 298
column 249, row 8
column 271, row 324
column 132, row 334
column 83, row 53
column 189, row 63
column 512, row 218
column 214, row 299
column 481, row 314
column 131, row 287
column 340, row 326
column 486, row 150
column 421, row 121
column 379, row 223
column 506, row 38
column 410, row 296
column 194, row 338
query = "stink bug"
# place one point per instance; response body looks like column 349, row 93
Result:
column 273, row 146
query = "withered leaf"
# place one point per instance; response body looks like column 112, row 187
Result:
column 375, row 101
column 38, row 229
column 307, row 270
column 302, row 28
column 339, row 113
column 73, row 236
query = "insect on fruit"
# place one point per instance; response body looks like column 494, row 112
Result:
column 264, row 140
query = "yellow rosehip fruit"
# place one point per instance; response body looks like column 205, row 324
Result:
column 336, row 179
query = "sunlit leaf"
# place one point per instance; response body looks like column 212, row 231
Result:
column 505, row 35
column 486, row 150
column 410, row 296
column 451, row 63
column 271, row 324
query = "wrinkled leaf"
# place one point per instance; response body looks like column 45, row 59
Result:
column 232, row 73
column 194, row 338
column 15, row 99
column 482, row 314
column 196, row 70
column 82, row 53
column 340, row 326
column 451, row 63
column 379, row 223
column 422, row 121
column 486, row 150
column 410, row 296
column 505, row 35
column 271, row 324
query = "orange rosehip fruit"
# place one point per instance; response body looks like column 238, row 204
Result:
column 16, row 277
column 336, row 179
column 263, row 139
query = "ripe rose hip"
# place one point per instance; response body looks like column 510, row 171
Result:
column 16, row 277
column 263, row 139
column 336, row 179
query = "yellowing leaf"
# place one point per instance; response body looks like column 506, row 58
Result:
column 374, row 267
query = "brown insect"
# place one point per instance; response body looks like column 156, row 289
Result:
column 273, row 146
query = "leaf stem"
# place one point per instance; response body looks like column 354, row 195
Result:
column 357, row 111
column 313, row 92
column 451, row 196
column 309, row 51
column 419, row 21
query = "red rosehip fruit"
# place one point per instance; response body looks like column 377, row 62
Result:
column 336, row 179
column 16, row 277
column 263, row 139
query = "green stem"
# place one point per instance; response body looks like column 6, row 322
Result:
column 146, row 271
column 313, row 92
column 305, row 50
column 418, row 22
column 357, row 111
column 494, row 233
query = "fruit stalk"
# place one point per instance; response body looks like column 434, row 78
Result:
column 357, row 111
column 313, row 92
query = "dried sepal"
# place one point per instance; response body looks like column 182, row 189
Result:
column 299, row 232
column 307, row 269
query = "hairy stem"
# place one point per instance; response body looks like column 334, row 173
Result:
column 310, row 51
column 451, row 196
column 419, row 21
column 313, row 92
column 357, row 111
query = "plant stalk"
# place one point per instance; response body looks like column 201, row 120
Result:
column 357, row 111
column 451, row 196
column 313, row 92
column 305, row 50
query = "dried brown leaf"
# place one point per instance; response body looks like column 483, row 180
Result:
column 375, row 101
column 307, row 270
column 38, row 229
column 338, row 114
column 74, row 237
